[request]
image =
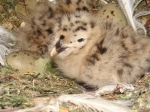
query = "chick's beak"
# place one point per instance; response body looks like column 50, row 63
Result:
column 58, row 48
column 54, row 52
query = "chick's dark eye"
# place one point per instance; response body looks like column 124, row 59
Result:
column 80, row 40
column 62, row 37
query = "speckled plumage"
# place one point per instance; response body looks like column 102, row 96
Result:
column 37, row 34
column 87, row 49
column 109, row 53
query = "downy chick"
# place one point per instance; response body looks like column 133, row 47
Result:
column 37, row 33
column 99, row 52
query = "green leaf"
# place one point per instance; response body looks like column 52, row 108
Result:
column 41, row 66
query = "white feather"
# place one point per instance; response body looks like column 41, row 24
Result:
column 136, row 4
column 128, row 8
column 6, row 42
column 82, row 100
column 142, row 13
column 95, row 103
column 140, row 26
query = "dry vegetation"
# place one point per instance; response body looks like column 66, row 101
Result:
column 25, row 90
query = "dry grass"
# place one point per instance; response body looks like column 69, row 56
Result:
column 22, row 90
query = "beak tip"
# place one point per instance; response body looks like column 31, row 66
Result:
column 53, row 52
